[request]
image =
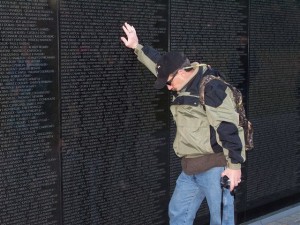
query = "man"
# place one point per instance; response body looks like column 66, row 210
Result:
column 208, row 138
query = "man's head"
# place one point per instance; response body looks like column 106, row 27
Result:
column 168, row 66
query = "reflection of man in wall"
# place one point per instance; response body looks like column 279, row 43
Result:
column 26, row 84
column 26, row 126
column 31, row 75
column 210, row 135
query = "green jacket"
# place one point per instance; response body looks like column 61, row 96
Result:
column 202, row 131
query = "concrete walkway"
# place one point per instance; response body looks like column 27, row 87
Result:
column 286, row 216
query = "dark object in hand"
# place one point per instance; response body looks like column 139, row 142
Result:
column 225, row 182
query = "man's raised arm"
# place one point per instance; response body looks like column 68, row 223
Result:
column 146, row 55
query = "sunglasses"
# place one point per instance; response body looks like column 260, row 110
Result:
column 186, row 69
column 169, row 82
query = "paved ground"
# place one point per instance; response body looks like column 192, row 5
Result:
column 286, row 216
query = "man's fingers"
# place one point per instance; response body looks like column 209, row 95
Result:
column 124, row 41
column 128, row 28
column 125, row 30
column 232, row 186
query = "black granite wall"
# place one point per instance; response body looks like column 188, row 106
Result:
column 85, row 139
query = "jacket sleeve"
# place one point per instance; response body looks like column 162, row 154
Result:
column 220, row 110
column 147, row 56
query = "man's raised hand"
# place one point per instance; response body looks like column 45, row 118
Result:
column 132, row 40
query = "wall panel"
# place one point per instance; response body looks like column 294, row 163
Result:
column 30, row 179
column 114, row 130
column 273, row 169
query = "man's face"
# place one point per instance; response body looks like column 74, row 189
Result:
column 181, row 77
column 176, row 81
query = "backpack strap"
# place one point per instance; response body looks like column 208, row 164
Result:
column 238, row 98
column 203, row 83
column 239, row 107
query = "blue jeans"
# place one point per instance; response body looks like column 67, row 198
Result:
column 189, row 193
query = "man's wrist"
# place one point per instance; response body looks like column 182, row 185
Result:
column 233, row 166
column 138, row 48
column 134, row 46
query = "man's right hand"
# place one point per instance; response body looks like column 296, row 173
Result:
column 132, row 40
